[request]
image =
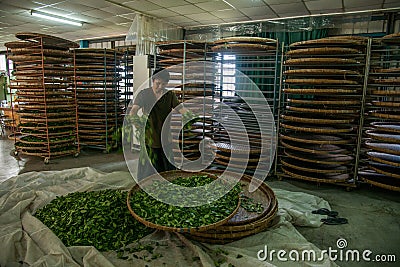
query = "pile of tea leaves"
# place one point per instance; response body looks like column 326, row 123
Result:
column 152, row 210
column 98, row 218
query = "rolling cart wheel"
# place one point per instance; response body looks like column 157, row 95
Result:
column 105, row 151
column 76, row 154
column 15, row 152
column 46, row 160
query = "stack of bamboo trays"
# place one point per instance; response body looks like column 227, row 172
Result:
column 192, row 81
column 382, row 137
column 324, row 81
column 46, row 96
column 235, row 147
column 96, row 79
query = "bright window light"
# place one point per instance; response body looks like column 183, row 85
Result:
column 55, row 18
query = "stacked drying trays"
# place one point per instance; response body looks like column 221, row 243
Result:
column 383, row 136
column 46, row 97
column 246, row 71
column 191, row 79
column 96, row 80
column 323, row 101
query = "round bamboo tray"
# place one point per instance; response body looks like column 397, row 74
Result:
column 24, row 59
column 180, row 52
column 45, row 52
column 313, row 177
column 313, row 129
column 252, row 159
column 389, row 127
column 44, row 120
column 386, row 71
column 315, row 149
column 387, row 81
column 392, row 115
column 324, row 121
column 179, row 44
column 391, row 138
column 328, row 42
column 227, row 147
column 321, row 61
column 384, row 158
column 39, row 87
column 313, row 167
column 32, row 45
column 385, row 169
column 316, row 139
column 44, row 92
column 326, row 159
column 242, row 47
column 93, row 78
column 170, row 176
column 386, row 104
column 319, row 91
column 234, row 165
column 245, row 39
column 325, row 72
column 324, row 51
column 321, row 81
column 342, row 102
column 51, row 132
column 384, row 147
column 46, row 39
column 44, row 141
column 386, row 92
column 49, row 106
column 380, row 180
column 324, row 111
column 40, row 146
column 102, row 51
column 51, row 154
column 43, row 127
column 49, row 114
column 393, row 39
column 92, row 67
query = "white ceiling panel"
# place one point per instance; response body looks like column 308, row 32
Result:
column 225, row 14
column 360, row 3
column 77, row 8
column 327, row 11
column 323, row 4
column 118, row 20
column 213, row 21
column 257, row 11
column 179, row 19
column 91, row 3
column 142, row 5
column 115, row 9
column 248, row 3
column 97, row 13
column 214, row 5
column 162, row 13
column 264, row 17
column 196, row 1
column 186, row 9
column 201, row 16
column 290, row 8
column 47, row 2
column 391, row 5
column 173, row 3
column 278, row 2
column 236, row 19
column 360, row 8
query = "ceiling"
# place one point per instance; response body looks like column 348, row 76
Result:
column 109, row 18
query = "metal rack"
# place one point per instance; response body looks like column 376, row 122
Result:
column 320, row 125
column 192, row 80
column 96, row 79
column 380, row 164
column 46, row 99
column 245, row 105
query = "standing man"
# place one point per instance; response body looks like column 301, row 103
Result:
column 156, row 103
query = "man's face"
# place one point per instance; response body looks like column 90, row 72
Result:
column 159, row 85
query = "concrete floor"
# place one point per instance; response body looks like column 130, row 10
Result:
column 373, row 213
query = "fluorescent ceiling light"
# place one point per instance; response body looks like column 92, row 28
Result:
column 53, row 17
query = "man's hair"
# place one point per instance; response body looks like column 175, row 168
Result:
column 161, row 74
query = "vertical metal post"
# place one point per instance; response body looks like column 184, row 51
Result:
column 362, row 108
